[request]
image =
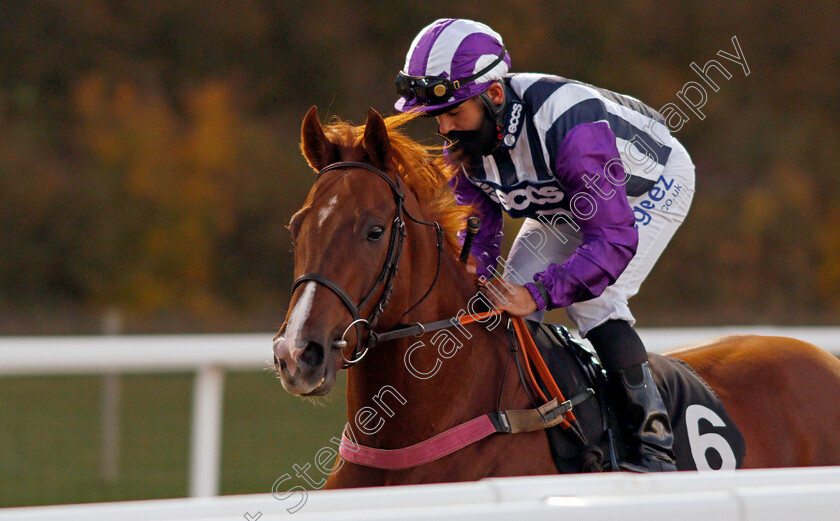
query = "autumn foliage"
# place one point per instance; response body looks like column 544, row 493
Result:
column 149, row 151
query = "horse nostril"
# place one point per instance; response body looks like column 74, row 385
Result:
column 313, row 355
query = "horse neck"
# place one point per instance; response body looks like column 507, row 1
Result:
column 456, row 389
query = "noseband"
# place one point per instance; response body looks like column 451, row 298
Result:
column 386, row 276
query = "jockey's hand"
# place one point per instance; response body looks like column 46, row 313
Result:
column 518, row 301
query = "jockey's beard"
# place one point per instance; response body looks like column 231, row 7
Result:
column 471, row 145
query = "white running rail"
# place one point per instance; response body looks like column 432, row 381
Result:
column 811, row 494
column 210, row 355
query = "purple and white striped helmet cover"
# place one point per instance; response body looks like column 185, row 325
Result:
column 454, row 48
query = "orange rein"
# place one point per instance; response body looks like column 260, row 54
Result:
column 530, row 354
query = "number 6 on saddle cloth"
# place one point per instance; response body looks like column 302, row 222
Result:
column 705, row 437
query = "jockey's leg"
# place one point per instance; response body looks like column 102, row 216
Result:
column 641, row 409
column 659, row 213
column 607, row 321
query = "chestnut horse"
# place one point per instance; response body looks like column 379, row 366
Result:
column 381, row 202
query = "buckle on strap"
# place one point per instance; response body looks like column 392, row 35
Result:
column 546, row 416
column 552, row 410
column 504, row 423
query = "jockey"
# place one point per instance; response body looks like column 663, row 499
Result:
column 601, row 182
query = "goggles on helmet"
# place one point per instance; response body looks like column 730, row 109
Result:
column 434, row 90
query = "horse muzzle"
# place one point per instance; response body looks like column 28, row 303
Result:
column 306, row 367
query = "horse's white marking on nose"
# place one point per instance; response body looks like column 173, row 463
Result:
column 296, row 320
column 324, row 212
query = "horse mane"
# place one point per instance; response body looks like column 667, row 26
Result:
column 422, row 168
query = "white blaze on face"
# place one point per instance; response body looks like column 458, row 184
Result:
column 324, row 212
column 296, row 320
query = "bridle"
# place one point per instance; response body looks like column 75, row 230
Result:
column 386, row 276
column 555, row 412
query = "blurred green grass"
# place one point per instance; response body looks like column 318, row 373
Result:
column 50, row 436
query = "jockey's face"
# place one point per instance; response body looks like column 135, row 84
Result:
column 470, row 114
column 466, row 116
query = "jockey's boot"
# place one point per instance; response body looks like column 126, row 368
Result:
column 642, row 412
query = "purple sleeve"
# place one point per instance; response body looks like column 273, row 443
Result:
column 610, row 237
column 487, row 245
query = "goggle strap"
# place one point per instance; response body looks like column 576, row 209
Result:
column 457, row 83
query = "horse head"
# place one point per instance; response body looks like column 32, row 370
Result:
column 347, row 242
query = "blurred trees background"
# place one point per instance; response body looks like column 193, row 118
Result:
column 149, row 150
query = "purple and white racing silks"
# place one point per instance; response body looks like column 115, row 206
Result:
column 559, row 135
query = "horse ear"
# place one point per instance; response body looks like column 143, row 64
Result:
column 317, row 149
column 376, row 142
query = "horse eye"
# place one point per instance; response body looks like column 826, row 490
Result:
column 375, row 233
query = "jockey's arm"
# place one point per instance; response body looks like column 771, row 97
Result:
column 487, row 245
column 609, row 234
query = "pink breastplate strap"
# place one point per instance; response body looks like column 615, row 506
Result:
column 557, row 411
column 432, row 449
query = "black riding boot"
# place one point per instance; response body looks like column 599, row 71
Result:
column 643, row 413
column 640, row 408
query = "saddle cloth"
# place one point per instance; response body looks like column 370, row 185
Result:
column 705, row 437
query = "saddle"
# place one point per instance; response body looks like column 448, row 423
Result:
column 705, row 437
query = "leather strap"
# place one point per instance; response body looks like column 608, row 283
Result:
column 558, row 411
column 418, row 454
column 462, row 435
column 418, row 329
column 529, row 347
column 543, row 417
column 332, row 286
column 341, row 165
